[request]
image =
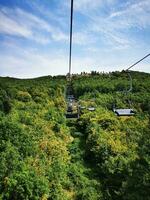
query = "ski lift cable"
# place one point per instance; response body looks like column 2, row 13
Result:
column 137, row 62
column 70, row 50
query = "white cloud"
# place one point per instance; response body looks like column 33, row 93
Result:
column 82, row 5
column 115, row 28
column 83, row 38
column 86, row 6
column 133, row 15
column 59, row 15
column 29, row 62
column 24, row 24
column 99, row 27
column 9, row 26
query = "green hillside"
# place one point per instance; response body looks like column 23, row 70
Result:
column 99, row 156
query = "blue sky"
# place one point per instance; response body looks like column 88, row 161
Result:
column 108, row 35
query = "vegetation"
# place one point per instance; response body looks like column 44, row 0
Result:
column 98, row 157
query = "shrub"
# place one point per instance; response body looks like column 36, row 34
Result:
column 24, row 96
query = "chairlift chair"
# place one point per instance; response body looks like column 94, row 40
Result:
column 72, row 109
column 128, row 111
column 91, row 109
column 124, row 112
column 82, row 107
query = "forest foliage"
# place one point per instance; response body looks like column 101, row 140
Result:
column 100, row 156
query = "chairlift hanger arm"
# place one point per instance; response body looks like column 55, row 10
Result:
column 128, row 71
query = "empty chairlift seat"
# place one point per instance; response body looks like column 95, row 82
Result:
column 124, row 112
column 91, row 109
column 82, row 107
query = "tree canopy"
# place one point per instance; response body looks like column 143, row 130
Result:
column 100, row 156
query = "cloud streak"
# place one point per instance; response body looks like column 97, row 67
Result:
column 115, row 27
column 29, row 62
column 9, row 26
column 20, row 23
column 133, row 15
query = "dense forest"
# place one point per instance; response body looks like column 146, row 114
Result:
column 100, row 156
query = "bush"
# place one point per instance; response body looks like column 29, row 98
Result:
column 24, row 96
